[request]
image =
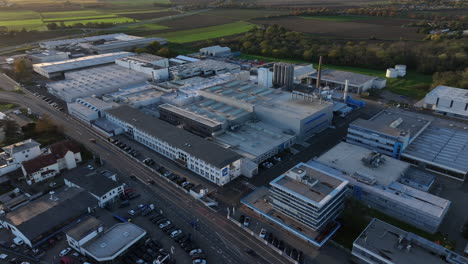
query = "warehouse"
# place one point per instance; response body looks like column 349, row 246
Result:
column 358, row 83
column 89, row 108
column 137, row 96
column 202, row 68
column 58, row 69
column 155, row 66
column 215, row 51
column 96, row 81
column 53, row 44
column 122, row 45
column 386, row 184
column 47, row 56
column 205, row 158
column 448, row 101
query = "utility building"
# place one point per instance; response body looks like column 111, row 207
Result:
column 283, row 75
column 448, row 101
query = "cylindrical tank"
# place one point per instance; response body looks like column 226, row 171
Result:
column 401, row 69
column 391, row 73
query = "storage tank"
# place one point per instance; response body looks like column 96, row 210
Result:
column 401, row 69
column 391, row 73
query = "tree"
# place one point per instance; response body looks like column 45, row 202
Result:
column 164, row 52
column 21, row 69
column 153, row 47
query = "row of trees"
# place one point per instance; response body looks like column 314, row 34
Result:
column 451, row 78
column 155, row 48
column 62, row 25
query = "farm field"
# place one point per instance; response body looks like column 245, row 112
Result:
column 196, row 21
column 355, row 28
column 148, row 15
column 243, row 14
column 312, row 3
column 403, row 86
column 205, row 33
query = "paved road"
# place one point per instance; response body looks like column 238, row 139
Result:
column 233, row 240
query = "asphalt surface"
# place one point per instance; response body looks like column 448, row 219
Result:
column 231, row 242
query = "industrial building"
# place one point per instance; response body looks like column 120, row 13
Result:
column 302, row 72
column 391, row 186
column 448, row 101
column 381, row 242
column 215, row 51
column 358, row 83
column 47, row 56
column 121, row 44
column 299, row 114
column 283, row 75
column 154, row 66
column 304, row 201
column 137, row 96
column 59, row 68
column 45, row 217
column 433, row 143
column 53, row 44
column 265, row 77
column 95, row 82
column 205, row 158
column 202, row 68
column 89, row 108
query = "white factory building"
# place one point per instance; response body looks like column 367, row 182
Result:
column 391, row 186
column 95, row 82
column 448, row 101
column 47, row 56
column 202, row 68
column 433, row 143
column 358, row 83
column 53, row 44
column 59, row 68
column 88, row 109
column 154, row 66
column 205, row 158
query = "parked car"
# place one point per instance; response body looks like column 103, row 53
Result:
column 247, row 221
column 175, row 233
column 195, row 251
column 64, row 252
column 164, row 224
column 262, row 233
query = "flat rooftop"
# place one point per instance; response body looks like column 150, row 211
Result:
column 203, row 65
column 337, row 76
column 441, row 146
column 453, row 93
column 383, row 240
column 258, row 200
column 135, row 94
column 310, row 184
column 194, row 145
column 98, row 103
column 83, row 62
column 146, row 58
column 254, row 139
column 423, row 202
column 61, row 42
column 193, row 115
column 393, row 123
column 349, row 158
column 114, row 241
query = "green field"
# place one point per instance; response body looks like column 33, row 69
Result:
column 18, row 15
column 343, row 18
column 145, row 26
column 406, row 86
column 205, row 33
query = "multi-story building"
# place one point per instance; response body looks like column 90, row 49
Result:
column 382, row 243
column 13, row 155
column 436, row 144
column 309, row 195
column 391, row 186
column 89, row 108
column 448, row 101
column 205, row 158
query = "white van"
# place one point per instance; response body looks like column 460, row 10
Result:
column 18, row 241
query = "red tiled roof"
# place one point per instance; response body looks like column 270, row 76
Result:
column 61, row 148
column 34, row 165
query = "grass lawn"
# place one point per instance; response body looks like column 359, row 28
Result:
column 19, row 24
column 6, row 106
column 411, row 85
column 205, row 33
column 149, row 26
column 343, row 18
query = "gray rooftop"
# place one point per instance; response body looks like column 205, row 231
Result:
column 146, row 58
column 308, row 183
column 452, row 93
column 393, row 123
column 91, row 181
column 354, row 79
column 442, row 146
column 383, row 240
column 114, row 241
column 20, row 146
column 84, row 227
column 44, row 214
column 177, row 137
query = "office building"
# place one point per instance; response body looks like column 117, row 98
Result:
column 383, row 243
column 308, row 195
column 43, row 218
column 57, row 69
column 391, row 186
column 205, row 158
column 433, row 143
column 88, row 109
column 448, row 101
column 357, row 83
column 95, row 82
